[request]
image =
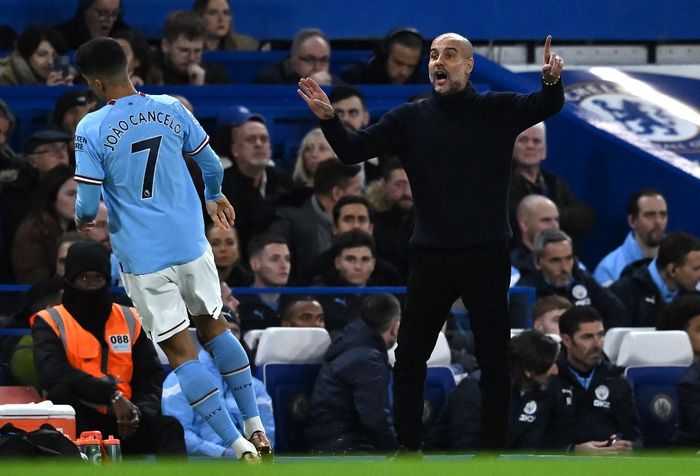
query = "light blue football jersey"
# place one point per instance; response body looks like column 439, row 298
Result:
column 133, row 147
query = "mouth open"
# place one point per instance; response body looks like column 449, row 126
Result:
column 440, row 78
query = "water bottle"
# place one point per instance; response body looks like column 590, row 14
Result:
column 92, row 446
column 112, row 450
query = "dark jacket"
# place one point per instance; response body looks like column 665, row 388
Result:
column 457, row 427
column 583, row 290
column 339, row 309
column 640, row 296
column 255, row 313
column 374, row 72
column 521, row 257
column 528, row 419
column 349, row 408
column 579, row 415
column 282, row 73
column 384, row 274
column 457, row 149
column 215, row 74
column 75, row 30
column 688, row 387
column 392, row 230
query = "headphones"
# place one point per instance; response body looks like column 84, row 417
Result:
column 393, row 35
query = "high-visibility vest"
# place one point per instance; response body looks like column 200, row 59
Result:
column 86, row 353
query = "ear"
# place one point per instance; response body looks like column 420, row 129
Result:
column 365, row 118
column 254, row 263
column 165, row 46
column 537, row 262
column 374, row 263
column 337, row 262
column 470, row 65
column 336, row 194
column 537, row 325
column 630, row 221
column 371, row 229
column 566, row 340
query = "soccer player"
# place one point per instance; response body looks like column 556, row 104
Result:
column 131, row 151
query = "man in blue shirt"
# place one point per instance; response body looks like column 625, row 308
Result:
column 131, row 151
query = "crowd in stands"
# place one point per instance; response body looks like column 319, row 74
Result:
column 324, row 223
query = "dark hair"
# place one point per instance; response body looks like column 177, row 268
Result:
column 303, row 35
column 380, row 310
column 392, row 163
column 633, row 200
column 259, row 242
column 333, row 173
column 6, row 112
column 354, row 238
column 29, row 41
column 147, row 68
column 571, row 320
column 532, row 351
column 71, row 237
column 549, row 303
column 344, row 92
column 409, row 37
column 545, row 237
column 102, row 58
column 183, row 22
column 287, row 302
column 677, row 315
column 675, row 247
column 46, row 192
column 349, row 200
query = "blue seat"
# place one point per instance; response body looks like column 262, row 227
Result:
column 657, row 402
column 439, row 382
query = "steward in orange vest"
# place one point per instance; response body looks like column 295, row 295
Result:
column 91, row 353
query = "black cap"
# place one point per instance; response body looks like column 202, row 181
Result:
column 87, row 256
column 66, row 101
column 47, row 136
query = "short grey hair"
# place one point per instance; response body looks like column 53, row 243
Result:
column 545, row 237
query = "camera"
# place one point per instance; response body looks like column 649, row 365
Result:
column 62, row 65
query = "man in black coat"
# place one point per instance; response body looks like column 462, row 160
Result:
column 350, row 403
column 456, row 147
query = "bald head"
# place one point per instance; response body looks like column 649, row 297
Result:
column 451, row 63
column 465, row 47
column 536, row 213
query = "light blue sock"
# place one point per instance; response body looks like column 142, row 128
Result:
column 204, row 397
column 232, row 362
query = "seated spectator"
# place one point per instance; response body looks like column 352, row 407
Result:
column 647, row 217
column 313, row 150
column 226, row 246
column 53, row 212
column 593, row 409
column 270, row 261
column 183, row 45
column 684, row 314
column 307, row 228
column 63, row 244
column 200, row 439
column 397, row 61
column 394, row 224
column 304, row 311
column 252, row 182
column 533, row 361
column 349, row 213
column 576, row 218
column 457, row 427
column 535, row 213
column 141, row 62
column 9, row 160
column 557, row 274
column 353, row 266
column 94, row 19
column 218, row 21
column 309, row 57
column 33, row 60
column 70, row 108
column 118, row 393
column 546, row 313
column 349, row 409
column 650, row 286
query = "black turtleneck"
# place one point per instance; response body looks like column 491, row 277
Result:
column 457, row 151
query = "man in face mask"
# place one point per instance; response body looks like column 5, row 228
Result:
column 91, row 353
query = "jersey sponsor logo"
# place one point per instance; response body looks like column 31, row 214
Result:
column 80, row 142
column 527, row 418
column 120, row 343
column 137, row 119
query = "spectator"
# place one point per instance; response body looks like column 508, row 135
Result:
column 183, row 45
column 33, row 60
column 34, row 246
column 647, row 217
column 535, row 214
column 270, row 262
column 9, row 160
column 557, row 274
column 530, row 149
column 349, row 409
column 226, row 246
column 349, row 213
column 70, row 108
column 313, row 150
column 684, row 314
column 218, row 21
column 547, row 311
column 94, row 19
column 141, row 62
column 651, row 285
column 396, row 61
column 353, row 266
column 301, row 311
column 307, row 228
column 251, row 181
column 200, row 439
column 310, row 56
column 594, row 409
column 63, row 244
column 533, row 360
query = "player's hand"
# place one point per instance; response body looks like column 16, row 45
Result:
column 553, row 63
column 221, row 212
column 86, row 226
column 196, row 74
column 315, row 98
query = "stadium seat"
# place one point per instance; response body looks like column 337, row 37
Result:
column 655, row 360
column 439, row 382
column 252, row 337
column 440, row 357
column 613, row 340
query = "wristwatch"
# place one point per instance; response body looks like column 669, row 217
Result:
column 116, row 396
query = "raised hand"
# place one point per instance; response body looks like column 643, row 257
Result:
column 221, row 212
column 553, row 63
column 315, row 98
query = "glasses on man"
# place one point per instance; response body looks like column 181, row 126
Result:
column 54, row 149
column 314, row 60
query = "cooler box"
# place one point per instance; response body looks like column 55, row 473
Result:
column 30, row 416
